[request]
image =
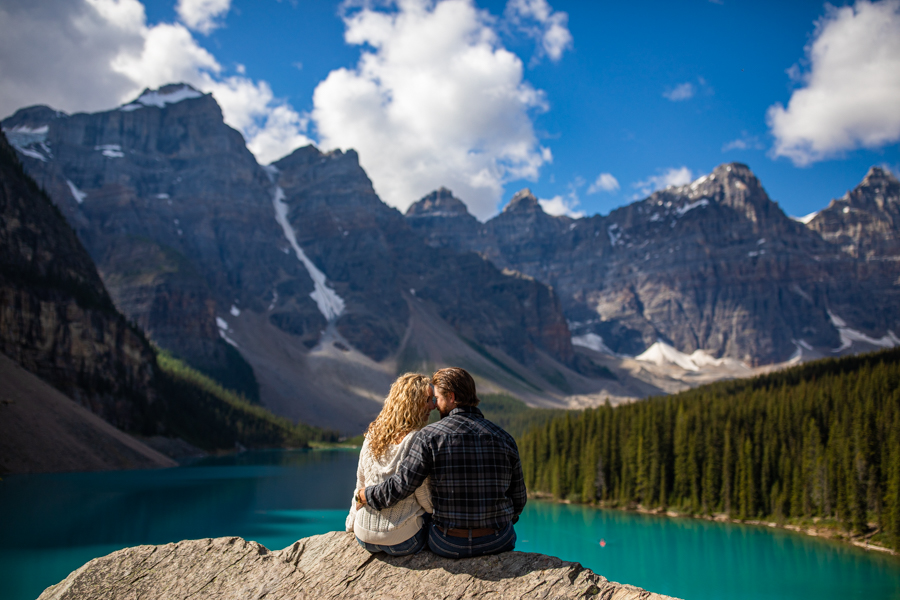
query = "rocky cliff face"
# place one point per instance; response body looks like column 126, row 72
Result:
column 218, row 259
column 328, row 566
column 714, row 265
column 56, row 318
column 170, row 204
column 376, row 263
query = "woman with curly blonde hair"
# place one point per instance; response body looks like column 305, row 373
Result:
column 397, row 530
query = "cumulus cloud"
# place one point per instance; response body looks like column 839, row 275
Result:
column 202, row 15
column 605, row 182
column 662, row 180
column 435, row 100
column 565, row 205
column 271, row 127
column 850, row 93
column 559, row 206
column 682, row 91
column 100, row 53
column 540, row 21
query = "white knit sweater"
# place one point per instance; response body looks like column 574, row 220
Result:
column 399, row 522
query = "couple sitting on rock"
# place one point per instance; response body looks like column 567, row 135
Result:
column 455, row 485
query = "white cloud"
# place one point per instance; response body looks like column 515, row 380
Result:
column 559, row 206
column 435, row 100
column 538, row 20
column 851, row 91
column 279, row 135
column 682, row 91
column 202, row 15
column 605, row 183
column 109, row 44
column 565, row 205
column 669, row 177
column 169, row 55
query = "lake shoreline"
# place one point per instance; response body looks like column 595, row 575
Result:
column 860, row 541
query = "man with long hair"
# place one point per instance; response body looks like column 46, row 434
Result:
column 478, row 491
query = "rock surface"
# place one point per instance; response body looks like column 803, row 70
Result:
column 324, row 567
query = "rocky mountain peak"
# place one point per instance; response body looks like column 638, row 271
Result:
column 172, row 93
column 879, row 187
column 440, row 202
column 735, row 186
column 877, row 174
column 865, row 222
column 523, row 202
column 32, row 116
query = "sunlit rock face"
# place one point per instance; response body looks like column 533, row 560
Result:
column 865, row 222
column 714, row 265
column 326, row 566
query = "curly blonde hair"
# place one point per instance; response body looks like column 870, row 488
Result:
column 403, row 411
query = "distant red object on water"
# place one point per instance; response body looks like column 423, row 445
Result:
column 603, row 543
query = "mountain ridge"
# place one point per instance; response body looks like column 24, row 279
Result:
column 195, row 240
column 718, row 235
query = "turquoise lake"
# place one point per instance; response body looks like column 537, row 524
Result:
column 52, row 524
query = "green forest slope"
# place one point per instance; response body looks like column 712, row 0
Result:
column 199, row 410
column 819, row 441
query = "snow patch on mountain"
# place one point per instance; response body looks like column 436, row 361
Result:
column 662, row 354
column 222, row 324
column 110, row 150
column 614, row 233
column 688, row 207
column 592, row 341
column 806, row 219
column 160, row 98
column 76, row 193
column 330, row 304
column 848, row 336
column 30, row 141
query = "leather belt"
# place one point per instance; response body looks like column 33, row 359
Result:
column 464, row 533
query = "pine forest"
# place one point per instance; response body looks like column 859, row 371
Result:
column 817, row 442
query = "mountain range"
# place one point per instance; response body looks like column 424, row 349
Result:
column 295, row 285
column 713, row 266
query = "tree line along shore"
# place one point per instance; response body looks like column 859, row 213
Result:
column 814, row 444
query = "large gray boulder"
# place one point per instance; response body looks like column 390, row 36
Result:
column 327, row 566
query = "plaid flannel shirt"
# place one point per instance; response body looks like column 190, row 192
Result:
column 476, row 474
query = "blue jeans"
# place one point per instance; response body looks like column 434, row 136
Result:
column 459, row 547
column 413, row 545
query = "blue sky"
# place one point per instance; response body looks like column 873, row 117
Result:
column 646, row 94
